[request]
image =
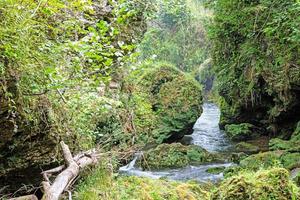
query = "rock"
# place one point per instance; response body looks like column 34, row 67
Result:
column 240, row 132
column 237, row 157
column 167, row 103
column 262, row 185
column 175, row 155
column 247, row 148
column 215, row 170
column 295, row 175
column 186, row 140
column 261, row 160
column 290, row 160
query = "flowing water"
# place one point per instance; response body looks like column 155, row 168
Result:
column 207, row 135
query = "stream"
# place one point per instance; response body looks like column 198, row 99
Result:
column 208, row 135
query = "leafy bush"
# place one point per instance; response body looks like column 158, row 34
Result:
column 238, row 132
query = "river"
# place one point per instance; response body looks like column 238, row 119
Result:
column 208, row 135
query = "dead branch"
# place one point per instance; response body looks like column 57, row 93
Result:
column 67, row 173
column 29, row 197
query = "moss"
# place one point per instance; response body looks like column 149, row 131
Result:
column 290, row 160
column 215, row 170
column 288, row 145
column 165, row 103
column 296, row 133
column 238, row 132
column 253, row 84
column 246, row 147
column 174, row 156
column 101, row 184
column 296, row 179
column 261, row 160
column 262, row 185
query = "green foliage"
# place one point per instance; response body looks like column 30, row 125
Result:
column 238, row 132
column 279, row 144
column 262, row 185
column 53, row 56
column 255, row 53
column 159, row 103
column 174, row 156
column 177, row 35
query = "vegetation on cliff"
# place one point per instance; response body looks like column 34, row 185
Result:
column 256, row 58
column 53, row 56
column 123, row 76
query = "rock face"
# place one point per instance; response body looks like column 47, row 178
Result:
column 259, row 77
column 28, row 138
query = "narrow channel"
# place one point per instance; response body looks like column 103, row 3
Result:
column 208, row 135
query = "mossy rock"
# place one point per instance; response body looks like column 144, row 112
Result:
column 296, row 179
column 246, row 147
column 176, row 155
column 215, row 170
column 288, row 145
column 296, row 133
column 30, row 140
column 290, row 160
column 261, row 160
column 237, row 157
column 239, row 132
column 274, row 184
column 166, row 102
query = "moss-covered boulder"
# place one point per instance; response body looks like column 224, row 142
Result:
column 247, row 148
column 262, row 185
column 261, row 160
column 165, row 102
column 288, row 145
column 290, row 160
column 215, row 170
column 174, row 156
column 239, row 132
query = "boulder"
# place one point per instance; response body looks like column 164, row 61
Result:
column 165, row 101
column 246, row 148
column 176, row 155
column 274, row 183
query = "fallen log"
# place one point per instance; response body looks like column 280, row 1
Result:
column 67, row 173
column 28, row 197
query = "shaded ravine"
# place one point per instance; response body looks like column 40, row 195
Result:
column 208, row 135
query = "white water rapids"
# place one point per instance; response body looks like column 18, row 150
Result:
column 207, row 135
